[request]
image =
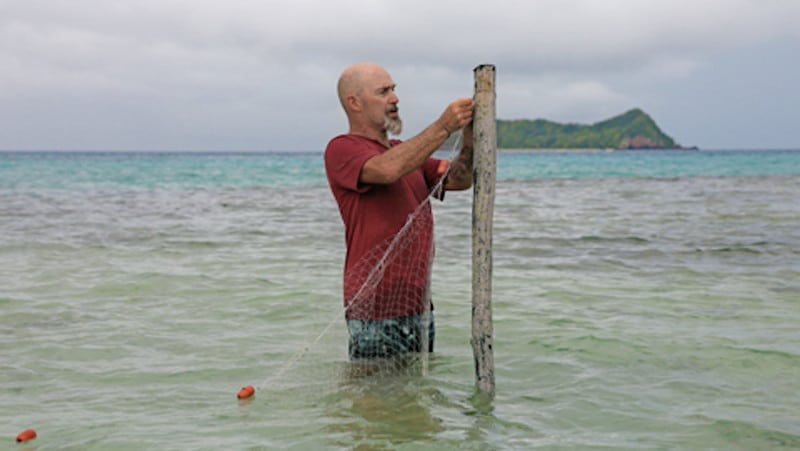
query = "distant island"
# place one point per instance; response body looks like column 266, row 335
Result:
column 631, row 130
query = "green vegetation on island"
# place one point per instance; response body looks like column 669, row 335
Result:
column 632, row 130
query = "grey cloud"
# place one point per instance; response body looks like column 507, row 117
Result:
column 260, row 75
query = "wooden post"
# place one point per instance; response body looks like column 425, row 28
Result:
column 484, row 170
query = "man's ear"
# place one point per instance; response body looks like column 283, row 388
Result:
column 354, row 103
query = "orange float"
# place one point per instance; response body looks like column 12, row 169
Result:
column 246, row 392
column 24, row 436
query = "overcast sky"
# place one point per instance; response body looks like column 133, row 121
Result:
column 261, row 74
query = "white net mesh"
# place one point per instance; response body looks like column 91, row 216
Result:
column 387, row 310
column 388, row 302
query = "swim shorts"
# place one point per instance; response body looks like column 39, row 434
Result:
column 370, row 339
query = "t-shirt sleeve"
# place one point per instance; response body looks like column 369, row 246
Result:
column 344, row 158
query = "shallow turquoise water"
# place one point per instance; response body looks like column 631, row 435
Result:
column 151, row 170
column 641, row 300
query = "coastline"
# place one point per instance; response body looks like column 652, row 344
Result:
column 591, row 150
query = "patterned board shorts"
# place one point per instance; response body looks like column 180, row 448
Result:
column 370, row 339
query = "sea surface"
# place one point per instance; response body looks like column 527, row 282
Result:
column 641, row 300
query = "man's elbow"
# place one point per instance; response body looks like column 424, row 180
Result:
column 459, row 184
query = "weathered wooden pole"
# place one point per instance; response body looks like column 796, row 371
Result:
column 484, row 170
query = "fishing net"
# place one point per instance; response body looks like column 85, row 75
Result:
column 387, row 297
column 388, row 326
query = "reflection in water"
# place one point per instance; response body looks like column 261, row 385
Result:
column 378, row 408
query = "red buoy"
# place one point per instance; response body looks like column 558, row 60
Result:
column 246, row 392
column 24, row 436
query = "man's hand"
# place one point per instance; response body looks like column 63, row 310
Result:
column 457, row 115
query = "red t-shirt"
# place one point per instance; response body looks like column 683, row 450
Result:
column 372, row 216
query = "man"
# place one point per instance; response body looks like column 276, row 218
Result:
column 378, row 184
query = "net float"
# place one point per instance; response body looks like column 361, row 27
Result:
column 246, row 392
column 24, row 436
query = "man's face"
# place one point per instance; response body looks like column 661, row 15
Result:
column 381, row 103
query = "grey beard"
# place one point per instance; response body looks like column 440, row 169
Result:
column 393, row 126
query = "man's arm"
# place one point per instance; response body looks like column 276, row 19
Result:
column 405, row 157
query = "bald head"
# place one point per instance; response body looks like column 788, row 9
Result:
column 366, row 92
column 354, row 79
